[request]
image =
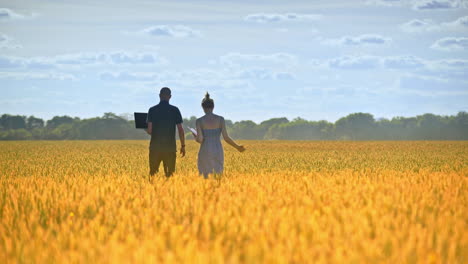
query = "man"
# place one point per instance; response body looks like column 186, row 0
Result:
column 162, row 121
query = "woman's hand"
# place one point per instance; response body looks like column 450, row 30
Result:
column 240, row 148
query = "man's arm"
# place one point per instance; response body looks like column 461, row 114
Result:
column 149, row 130
column 181, row 131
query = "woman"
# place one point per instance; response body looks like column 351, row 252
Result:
column 209, row 129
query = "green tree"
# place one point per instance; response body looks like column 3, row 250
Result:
column 430, row 126
column 301, row 129
column 59, row 120
column 357, row 126
column 17, row 134
column 245, row 130
column 460, row 126
column 12, row 122
column 34, row 122
column 64, row 131
column 265, row 126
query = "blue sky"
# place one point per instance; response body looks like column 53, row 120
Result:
column 258, row 59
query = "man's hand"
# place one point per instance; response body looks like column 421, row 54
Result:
column 241, row 148
column 182, row 150
column 181, row 131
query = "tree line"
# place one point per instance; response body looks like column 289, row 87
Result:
column 356, row 126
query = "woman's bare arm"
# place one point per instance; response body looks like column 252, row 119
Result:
column 228, row 139
column 199, row 136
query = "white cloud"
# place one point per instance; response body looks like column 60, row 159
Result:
column 11, row 62
column 417, row 25
column 451, row 44
column 4, row 41
column 449, row 69
column 43, row 68
column 362, row 40
column 127, row 77
column 118, row 57
column 403, row 62
column 268, row 60
column 435, row 4
column 8, row 14
column 73, row 59
column 451, row 64
column 7, row 42
column 178, row 31
column 203, row 77
column 422, row 5
column 224, row 74
column 37, row 76
column 38, row 64
column 386, row 2
column 364, row 62
column 284, row 76
column 263, row 74
column 230, row 87
column 79, row 59
column 132, row 58
column 431, row 86
column 460, row 23
column 198, row 75
column 276, row 17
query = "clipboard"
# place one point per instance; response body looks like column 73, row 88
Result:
column 140, row 120
column 193, row 131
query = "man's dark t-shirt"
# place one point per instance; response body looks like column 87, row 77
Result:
column 164, row 117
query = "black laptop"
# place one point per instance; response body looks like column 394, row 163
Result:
column 140, row 120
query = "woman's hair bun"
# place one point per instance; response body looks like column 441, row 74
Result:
column 207, row 101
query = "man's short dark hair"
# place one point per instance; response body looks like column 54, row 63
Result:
column 165, row 91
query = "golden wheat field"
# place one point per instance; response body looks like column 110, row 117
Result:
column 279, row 202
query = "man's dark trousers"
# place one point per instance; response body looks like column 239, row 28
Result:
column 168, row 160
